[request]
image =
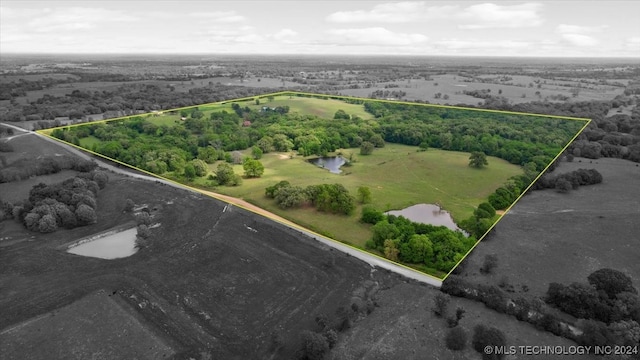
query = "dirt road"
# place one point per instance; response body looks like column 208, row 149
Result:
column 370, row 259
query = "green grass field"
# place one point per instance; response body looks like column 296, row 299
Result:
column 322, row 107
column 89, row 141
column 397, row 175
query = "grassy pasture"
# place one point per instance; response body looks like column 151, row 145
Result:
column 453, row 86
column 71, row 333
column 397, row 175
column 321, row 107
column 551, row 237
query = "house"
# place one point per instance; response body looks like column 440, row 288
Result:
column 246, row 123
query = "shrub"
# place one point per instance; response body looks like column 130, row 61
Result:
column 456, row 339
column 440, row 303
column 488, row 336
column 490, row 262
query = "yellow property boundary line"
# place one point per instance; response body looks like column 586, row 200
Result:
column 47, row 133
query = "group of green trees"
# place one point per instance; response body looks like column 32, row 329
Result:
column 332, row 198
column 427, row 246
column 212, row 136
column 67, row 204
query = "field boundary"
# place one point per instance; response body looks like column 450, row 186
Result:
column 371, row 258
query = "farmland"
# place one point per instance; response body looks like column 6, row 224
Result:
column 600, row 235
column 266, row 280
column 212, row 132
column 433, row 176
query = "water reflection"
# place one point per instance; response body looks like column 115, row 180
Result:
column 427, row 214
column 111, row 246
column 331, row 163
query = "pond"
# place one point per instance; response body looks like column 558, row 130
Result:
column 428, row 214
column 110, row 245
column 331, row 163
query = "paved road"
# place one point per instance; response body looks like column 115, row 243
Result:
column 370, row 259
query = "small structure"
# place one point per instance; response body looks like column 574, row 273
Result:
column 246, row 123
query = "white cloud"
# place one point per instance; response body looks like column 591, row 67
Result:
column 285, row 36
column 479, row 16
column 470, row 44
column 22, row 22
column 577, row 35
column 374, row 36
column 580, row 39
column 485, row 16
column 401, row 12
column 578, row 29
column 226, row 17
column 633, row 43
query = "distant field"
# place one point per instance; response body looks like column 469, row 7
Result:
column 324, row 108
column 516, row 90
column 551, row 237
column 71, row 333
column 433, row 176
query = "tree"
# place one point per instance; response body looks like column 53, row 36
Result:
column 440, row 303
column 478, row 159
column 484, row 336
column 256, row 152
column 86, row 215
column 456, row 339
column 364, row 195
column 47, row 224
column 129, row 205
column 366, row 148
column 200, row 167
column 290, row 196
column 341, row 114
column 314, row 346
column 377, row 140
column 252, row 168
column 265, row 144
column 611, row 282
column 224, row 174
column 563, row 185
column 391, row 250
column 371, row 215
column 189, row 172
column 270, row 191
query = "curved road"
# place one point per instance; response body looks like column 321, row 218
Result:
column 370, row 259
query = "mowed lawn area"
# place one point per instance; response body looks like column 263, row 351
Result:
column 397, row 175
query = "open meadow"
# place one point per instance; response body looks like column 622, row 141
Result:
column 397, row 175
column 553, row 237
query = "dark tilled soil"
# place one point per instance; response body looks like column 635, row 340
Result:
column 210, row 282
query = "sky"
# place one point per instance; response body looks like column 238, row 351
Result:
column 577, row 28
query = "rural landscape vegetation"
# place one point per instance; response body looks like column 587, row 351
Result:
column 207, row 279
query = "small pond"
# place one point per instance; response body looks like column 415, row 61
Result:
column 331, row 163
column 111, row 245
column 428, row 214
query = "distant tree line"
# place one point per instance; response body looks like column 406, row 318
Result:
column 25, row 168
column 608, row 307
column 568, row 181
column 126, row 99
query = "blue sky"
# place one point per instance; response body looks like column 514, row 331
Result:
column 476, row 28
